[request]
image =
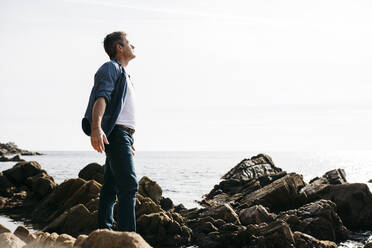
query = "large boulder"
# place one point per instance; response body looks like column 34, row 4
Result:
column 112, row 239
column 353, row 200
column 41, row 184
column 92, row 171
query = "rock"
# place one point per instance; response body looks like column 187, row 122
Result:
column 337, row 176
column 75, row 221
column 16, row 158
column 24, row 234
column 92, row 171
column 19, row 172
column 255, row 215
column 160, row 230
column 112, row 239
column 149, row 188
column 276, row 234
column 3, row 229
column 224, row 212
column 53, row 240
column 304, row 240
column 368, row 245
column 166, row 203
column 318, row 219
column 55, row 203
column 3, row 202
column 80, row 240
column 144, row 205
column 6, row 187
column 282, row 194
column 41, row 184
column 353, row 200
column 9, row 240
column 370, row 181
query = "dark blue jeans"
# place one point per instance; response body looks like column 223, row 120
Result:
column 119, row 180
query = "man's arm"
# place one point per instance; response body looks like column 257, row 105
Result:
column 97, row 136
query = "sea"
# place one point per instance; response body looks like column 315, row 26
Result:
column 185, row 176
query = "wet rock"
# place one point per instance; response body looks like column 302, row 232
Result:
column 75, row 221
column 92, row 171
column 19, row 172
column 255, row 215
column 160, row 230
column 304, row 240
column 112, row 239
column 353, row 200
column 149, row 188
column 9, row 240
column 24, row 234
column 318, row 219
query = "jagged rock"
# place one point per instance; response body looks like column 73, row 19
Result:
column 75, row 221
column 246, row 177
column 19, row 172
column 353, row 200
column 304, row 240
column 9, row 240
column 149, row 188
column 144, row 205
column 255, row 215
column 112, row 239
column 224, row 212
column 24, row 234
column 160, row 229
column 318, row 219
column 282, row 194
column 63, row 197
column 3, row 229
column 92, row 171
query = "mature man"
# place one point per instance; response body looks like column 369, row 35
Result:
column 110, row 122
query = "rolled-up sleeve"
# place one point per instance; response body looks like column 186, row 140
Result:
column 104, row 81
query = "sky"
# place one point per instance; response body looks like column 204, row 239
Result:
column 209, row 75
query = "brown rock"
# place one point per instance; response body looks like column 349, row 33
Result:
column 224, row 212
column 80, row 240
column 19, row 172
column 149, row 188
column 304, row 240
column 111, row 239
column 24, row 234
column 92, row 171
column 41, row 184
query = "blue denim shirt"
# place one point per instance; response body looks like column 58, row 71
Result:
column 111, row 84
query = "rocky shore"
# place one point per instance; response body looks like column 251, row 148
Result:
column 10, row 148
column 256, row 204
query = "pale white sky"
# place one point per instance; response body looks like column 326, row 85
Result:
column 209, row 75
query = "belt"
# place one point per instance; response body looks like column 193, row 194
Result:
column 131, row 130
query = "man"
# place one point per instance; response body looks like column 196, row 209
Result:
column 110, row 122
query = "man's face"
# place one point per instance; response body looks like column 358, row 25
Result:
column 128, row 49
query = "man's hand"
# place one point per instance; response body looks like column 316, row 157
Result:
column 97, row 138
column 133, row 150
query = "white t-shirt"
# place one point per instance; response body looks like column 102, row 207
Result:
column 127, row 116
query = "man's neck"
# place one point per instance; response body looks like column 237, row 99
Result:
column 123, row 61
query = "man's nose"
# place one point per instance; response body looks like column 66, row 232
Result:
column 132, row 46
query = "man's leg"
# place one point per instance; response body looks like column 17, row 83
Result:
column 107, row 199
column 122, row 166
